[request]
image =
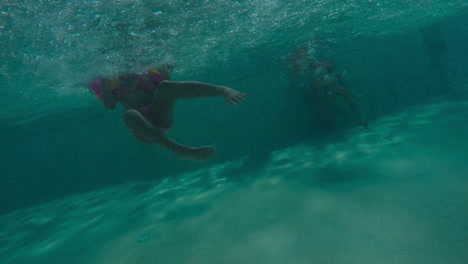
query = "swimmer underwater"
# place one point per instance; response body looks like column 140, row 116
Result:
column 149, row 101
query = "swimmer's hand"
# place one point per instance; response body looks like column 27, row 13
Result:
column 234, row 97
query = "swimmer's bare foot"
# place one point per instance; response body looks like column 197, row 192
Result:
column 234, row 97
column 201, row 153
column 146, row 132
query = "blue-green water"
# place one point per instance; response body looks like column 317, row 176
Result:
column 76, row 187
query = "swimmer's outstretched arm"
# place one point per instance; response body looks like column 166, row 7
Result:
column 191, row 89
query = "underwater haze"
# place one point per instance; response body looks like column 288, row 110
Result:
column 77, row 187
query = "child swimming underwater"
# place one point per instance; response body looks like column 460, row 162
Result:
column 149, row 100
column 332, row 104
column 331, row 100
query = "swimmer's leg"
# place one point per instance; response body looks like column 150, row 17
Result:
column 168, row 92
column 354, row 104
column 146, row 132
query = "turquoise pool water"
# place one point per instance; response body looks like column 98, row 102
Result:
column 76, row 187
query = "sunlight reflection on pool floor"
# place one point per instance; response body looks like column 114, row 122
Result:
column 394, row 193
